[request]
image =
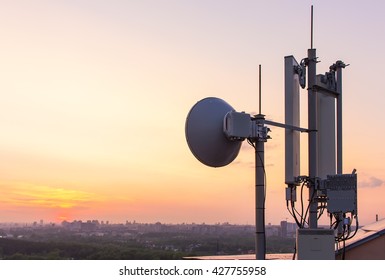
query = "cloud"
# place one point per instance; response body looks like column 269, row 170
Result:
column 248, row 164
column 31, row 195
column 371, row 182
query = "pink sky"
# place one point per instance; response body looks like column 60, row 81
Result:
column 94, row 97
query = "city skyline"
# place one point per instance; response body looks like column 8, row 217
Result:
column 94, row 98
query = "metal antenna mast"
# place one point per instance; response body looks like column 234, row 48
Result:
column 260, row 91
column 311, row 28
column 312, row 123
column 260, row 238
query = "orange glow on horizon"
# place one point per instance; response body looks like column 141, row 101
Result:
column 29, row 195
column 94, row 98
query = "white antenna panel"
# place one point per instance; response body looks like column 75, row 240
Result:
column 326, row 133
column 292, row 117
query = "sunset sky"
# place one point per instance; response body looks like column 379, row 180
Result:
column 94, row 96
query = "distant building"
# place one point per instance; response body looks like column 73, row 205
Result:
column 283, row 229
column 272, row 230
column 88, row 226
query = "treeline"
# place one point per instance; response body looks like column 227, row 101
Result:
column 162, row 246
column 13, row 249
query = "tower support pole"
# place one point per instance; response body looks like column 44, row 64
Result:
column 260, row 237
column 312, row 124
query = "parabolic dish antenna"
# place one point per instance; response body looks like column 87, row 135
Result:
column 205, row 136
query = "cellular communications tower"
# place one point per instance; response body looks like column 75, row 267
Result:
column 215, row 132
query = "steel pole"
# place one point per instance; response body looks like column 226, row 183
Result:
column 260, row 241
column 339, row 120
column 312, row 123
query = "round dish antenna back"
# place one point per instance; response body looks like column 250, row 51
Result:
column 205, row 136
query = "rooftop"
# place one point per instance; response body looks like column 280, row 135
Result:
column 288, row 256
column 366, row 233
